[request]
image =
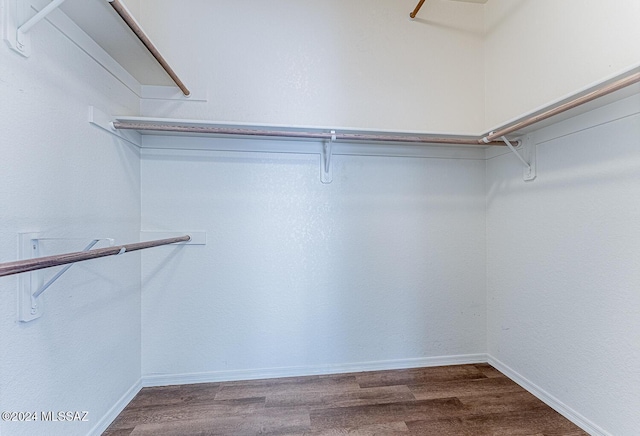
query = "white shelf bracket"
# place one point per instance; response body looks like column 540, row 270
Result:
column 530, row 163
column 326, row 173
column 17, row 25
column 31, row 286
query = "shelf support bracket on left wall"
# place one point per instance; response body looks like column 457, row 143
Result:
column 17, row 25
column 31, row 286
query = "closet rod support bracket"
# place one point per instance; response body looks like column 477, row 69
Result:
column 31, row 286
column 18, row 22
column 326, row 173
column 529, row 161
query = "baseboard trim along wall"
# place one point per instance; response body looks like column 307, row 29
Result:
column 297, row 371
column 113, row 413
column 549, row 399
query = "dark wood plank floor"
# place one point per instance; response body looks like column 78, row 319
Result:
column 473, row 400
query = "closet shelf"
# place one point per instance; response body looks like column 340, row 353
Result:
column 104, row 29
column 616, row 87
column 180, row 127
column 599, row 94
column 109, row 23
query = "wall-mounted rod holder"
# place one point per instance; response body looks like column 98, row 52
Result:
column 513, row 149
column 27, row 265
column 326, row 173
column 17, row 26
column 62, row 271
column 31, row 286
column 39, row 16
column 529, row 166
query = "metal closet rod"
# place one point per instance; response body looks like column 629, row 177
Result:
column 131, row 22
column 492, row 138
column 120, row 125
column 614, row 86
column 27, row 265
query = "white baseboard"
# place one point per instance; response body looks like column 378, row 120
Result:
column 113, row 413
column 297, row 371
column 549, row 399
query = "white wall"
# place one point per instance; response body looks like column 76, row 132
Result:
column 564, row 267
column 384, row 264
column 333, row 63
column 134, row 8
column 537, row 51
column 64, row 178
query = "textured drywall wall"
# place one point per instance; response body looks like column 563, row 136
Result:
column 537, row 51
column 564, row 267
column 334, row 63
column 65, row 178
column 385, row 263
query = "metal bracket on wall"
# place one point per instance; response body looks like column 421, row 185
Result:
column 18, row 22
column 326, row 173
column 529, row 160
column 32, row 285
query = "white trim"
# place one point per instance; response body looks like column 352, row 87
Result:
column 549, row 399
column 289, row 127
column 117, row 408
column 153, row 380
column 160, row 145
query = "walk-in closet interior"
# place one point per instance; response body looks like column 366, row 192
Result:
column 217, row 191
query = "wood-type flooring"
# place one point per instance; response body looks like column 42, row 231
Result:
column 466, row 400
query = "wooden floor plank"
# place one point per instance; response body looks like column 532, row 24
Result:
column 261, row 388
column 264, row 422
column 500, row 403
column 488, row 370
column 355, row 416
column 355, row 397
column 522, row 423
column 169, row 413
column 398, row 428
column 416, row 376
column 177, row 394
column 483, row 386
column 472, row 400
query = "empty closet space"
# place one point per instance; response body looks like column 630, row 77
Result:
column 352, row 220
